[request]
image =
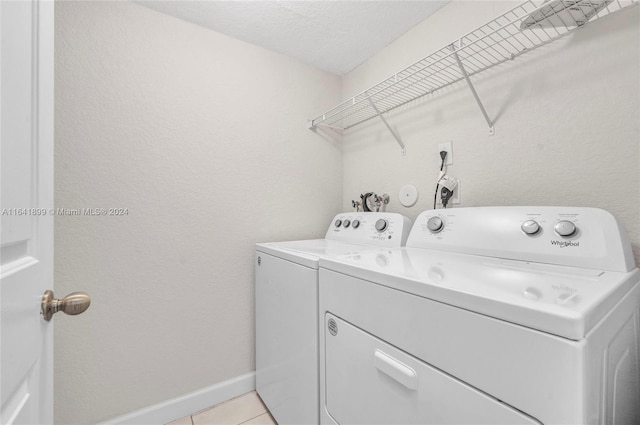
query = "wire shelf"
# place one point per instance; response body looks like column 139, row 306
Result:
column 521, row 29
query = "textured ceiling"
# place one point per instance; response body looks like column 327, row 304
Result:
column 335, row 36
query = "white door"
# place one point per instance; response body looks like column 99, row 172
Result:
column 26, row 197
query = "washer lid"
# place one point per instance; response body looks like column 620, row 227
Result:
column 307, row 252
column 561, row 300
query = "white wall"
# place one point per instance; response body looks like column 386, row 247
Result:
column 203, row 138
column 566, row 122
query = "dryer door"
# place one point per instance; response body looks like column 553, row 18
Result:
column 368, row 381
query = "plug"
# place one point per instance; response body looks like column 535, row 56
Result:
column 443, row 155
column 445, row 195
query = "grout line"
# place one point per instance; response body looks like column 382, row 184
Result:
column 250, row 419
column 266, row 411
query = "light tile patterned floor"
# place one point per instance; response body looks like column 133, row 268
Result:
column 247, row 409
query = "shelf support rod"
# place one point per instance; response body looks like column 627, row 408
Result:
column 333, row 127
column 473, row 90
column 393, row 133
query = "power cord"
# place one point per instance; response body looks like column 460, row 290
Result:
column 443, row 155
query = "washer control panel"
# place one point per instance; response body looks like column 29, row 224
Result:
column 371, row 228
column 571, row 236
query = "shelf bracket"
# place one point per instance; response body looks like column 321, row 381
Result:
column 393, row 133
column 473, row 90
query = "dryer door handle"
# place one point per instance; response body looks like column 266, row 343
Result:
column 396, row 369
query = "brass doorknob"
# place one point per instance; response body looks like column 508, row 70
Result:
column 74, row 303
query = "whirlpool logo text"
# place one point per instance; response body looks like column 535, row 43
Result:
column 564, row 244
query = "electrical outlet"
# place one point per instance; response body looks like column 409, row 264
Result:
column 455, row 199
column 447, row 147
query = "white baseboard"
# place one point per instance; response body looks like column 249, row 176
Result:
column 179, row 407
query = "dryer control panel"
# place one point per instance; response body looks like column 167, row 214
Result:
column 571, row 236
column 370, row 228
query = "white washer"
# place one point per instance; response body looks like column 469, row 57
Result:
column 287, row 370
column 500, row 315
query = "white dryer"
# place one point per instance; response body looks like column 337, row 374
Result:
column 287, row 370
column 502, row 315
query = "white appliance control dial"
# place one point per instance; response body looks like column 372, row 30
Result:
column 565, row 228
column 338, row 223
column 355, row 224
column 346, row 223
column 435, row 224
column 530, row 227
column 381, row 225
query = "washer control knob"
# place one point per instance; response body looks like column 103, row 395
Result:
column 565, row 228
column 338, row 223
column 346, row 223
column 435, row 224
column 355, row 224
column 530, row 227
column 381, row 225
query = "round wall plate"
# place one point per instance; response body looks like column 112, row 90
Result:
column 408, row 195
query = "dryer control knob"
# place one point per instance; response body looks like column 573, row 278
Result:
column 338, row 223
column 435, row 224
column 381, row 225
column 530, row 227
column 565, row 228
column 346, row 223
column 355, row 224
